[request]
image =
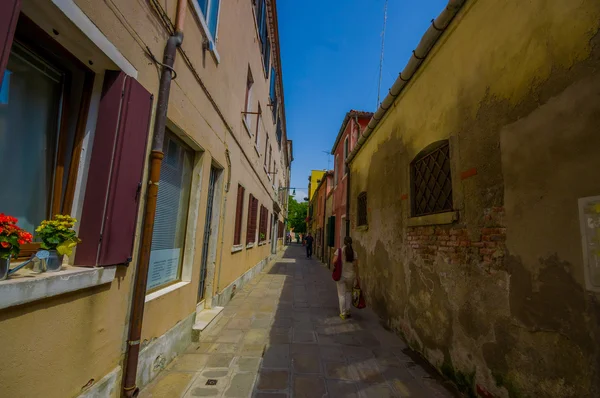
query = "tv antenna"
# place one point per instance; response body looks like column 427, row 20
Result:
column 328, row 158
column 381, row 57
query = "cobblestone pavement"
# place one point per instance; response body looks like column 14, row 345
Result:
column 281, row 336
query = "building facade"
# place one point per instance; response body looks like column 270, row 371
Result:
column 81, row 83
column 352, row 125
column 319, row 219
column 475, row 199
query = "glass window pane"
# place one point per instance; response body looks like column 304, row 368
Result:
column 203, row 6
column 170, row 221
column 29, row 108
column 212, row 17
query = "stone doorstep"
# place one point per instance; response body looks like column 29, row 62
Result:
column 204, row 320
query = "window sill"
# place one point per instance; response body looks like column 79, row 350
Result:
column 165, row 290
column 250, row 245
column 26, row 286
column 434, row 219
column 262, row 243
column 362, row 228
column 237, row 248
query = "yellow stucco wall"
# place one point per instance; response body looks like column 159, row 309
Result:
column 65, row 341
column 315, row 177
column 513, row 86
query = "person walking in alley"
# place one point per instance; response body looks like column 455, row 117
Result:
column 345, row 273
column 309, row 245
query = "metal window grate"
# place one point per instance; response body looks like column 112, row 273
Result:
column 431, row 182
column 362, row 209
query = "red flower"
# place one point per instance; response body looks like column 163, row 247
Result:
column 5, row 245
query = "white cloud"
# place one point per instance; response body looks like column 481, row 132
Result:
column 300, row 195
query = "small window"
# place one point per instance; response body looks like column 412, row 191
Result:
column 273, row 93
column 170, row 221
column 269, row 161
column 431, row 182
column 262, row 19
column 251, row 226
column 248, row 100
column 210, row 13
column 263, row 225
column 362, row 209
column 239, row 210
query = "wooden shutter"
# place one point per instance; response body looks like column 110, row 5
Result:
column 114, row 179
column 239, row 209
column 252, row 213
column 9, row 15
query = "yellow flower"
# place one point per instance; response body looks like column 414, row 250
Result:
column 66, row 247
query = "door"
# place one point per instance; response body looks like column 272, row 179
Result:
column 214, row 172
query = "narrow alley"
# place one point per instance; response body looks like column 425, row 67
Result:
column 281, row 336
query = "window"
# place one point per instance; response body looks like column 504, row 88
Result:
column 251, row 226
column 362, row 209
column 335, row 171
column 263, row 225
column 269, row 161
column 239, row 210
column 44, row 98
column 431, row 182
column 271, row 227
column 262, row 18
column 279, row 132
column 266, row 153
column 258, row 128
column 248, row 100
column 273, row 94
column 345, row 155
column 170, row 221
column 280, row 230
column 210, row 13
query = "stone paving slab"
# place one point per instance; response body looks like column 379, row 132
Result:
column 281, row 336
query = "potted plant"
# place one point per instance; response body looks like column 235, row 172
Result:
column 262, row 237
column 58, row 238
column 11, row 239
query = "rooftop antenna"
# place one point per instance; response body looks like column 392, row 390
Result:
column 328, row 158
column 381, row 57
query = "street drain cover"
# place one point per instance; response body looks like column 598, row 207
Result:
column 211, row 382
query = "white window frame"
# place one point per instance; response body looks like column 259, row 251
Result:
column 247, row 117
column 204, row 23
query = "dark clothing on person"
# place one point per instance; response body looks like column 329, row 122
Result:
column 309, row 246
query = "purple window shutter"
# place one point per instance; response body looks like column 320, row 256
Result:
column 125, row 184
column 9, row 15
column 109, row 213
column 98, row 177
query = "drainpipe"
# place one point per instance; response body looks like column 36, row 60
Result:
column 223, row 213
column 130, row 388
column 431, row 36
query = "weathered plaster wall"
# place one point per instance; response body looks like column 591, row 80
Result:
column 495, row 300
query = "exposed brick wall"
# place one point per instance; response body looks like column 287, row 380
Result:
column 455, row 245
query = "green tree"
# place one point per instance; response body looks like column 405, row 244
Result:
column 297, row 213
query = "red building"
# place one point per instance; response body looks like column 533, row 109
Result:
column 352, row 126
column 319, row 219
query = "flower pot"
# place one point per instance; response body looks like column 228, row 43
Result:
column 54, row 261
column 4, row 267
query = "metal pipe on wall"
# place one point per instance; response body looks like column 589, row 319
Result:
column 130, row 388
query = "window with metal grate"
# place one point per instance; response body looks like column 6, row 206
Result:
column 431, row 180
column 362, row 209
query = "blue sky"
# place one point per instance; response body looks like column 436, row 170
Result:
column 330, row 53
